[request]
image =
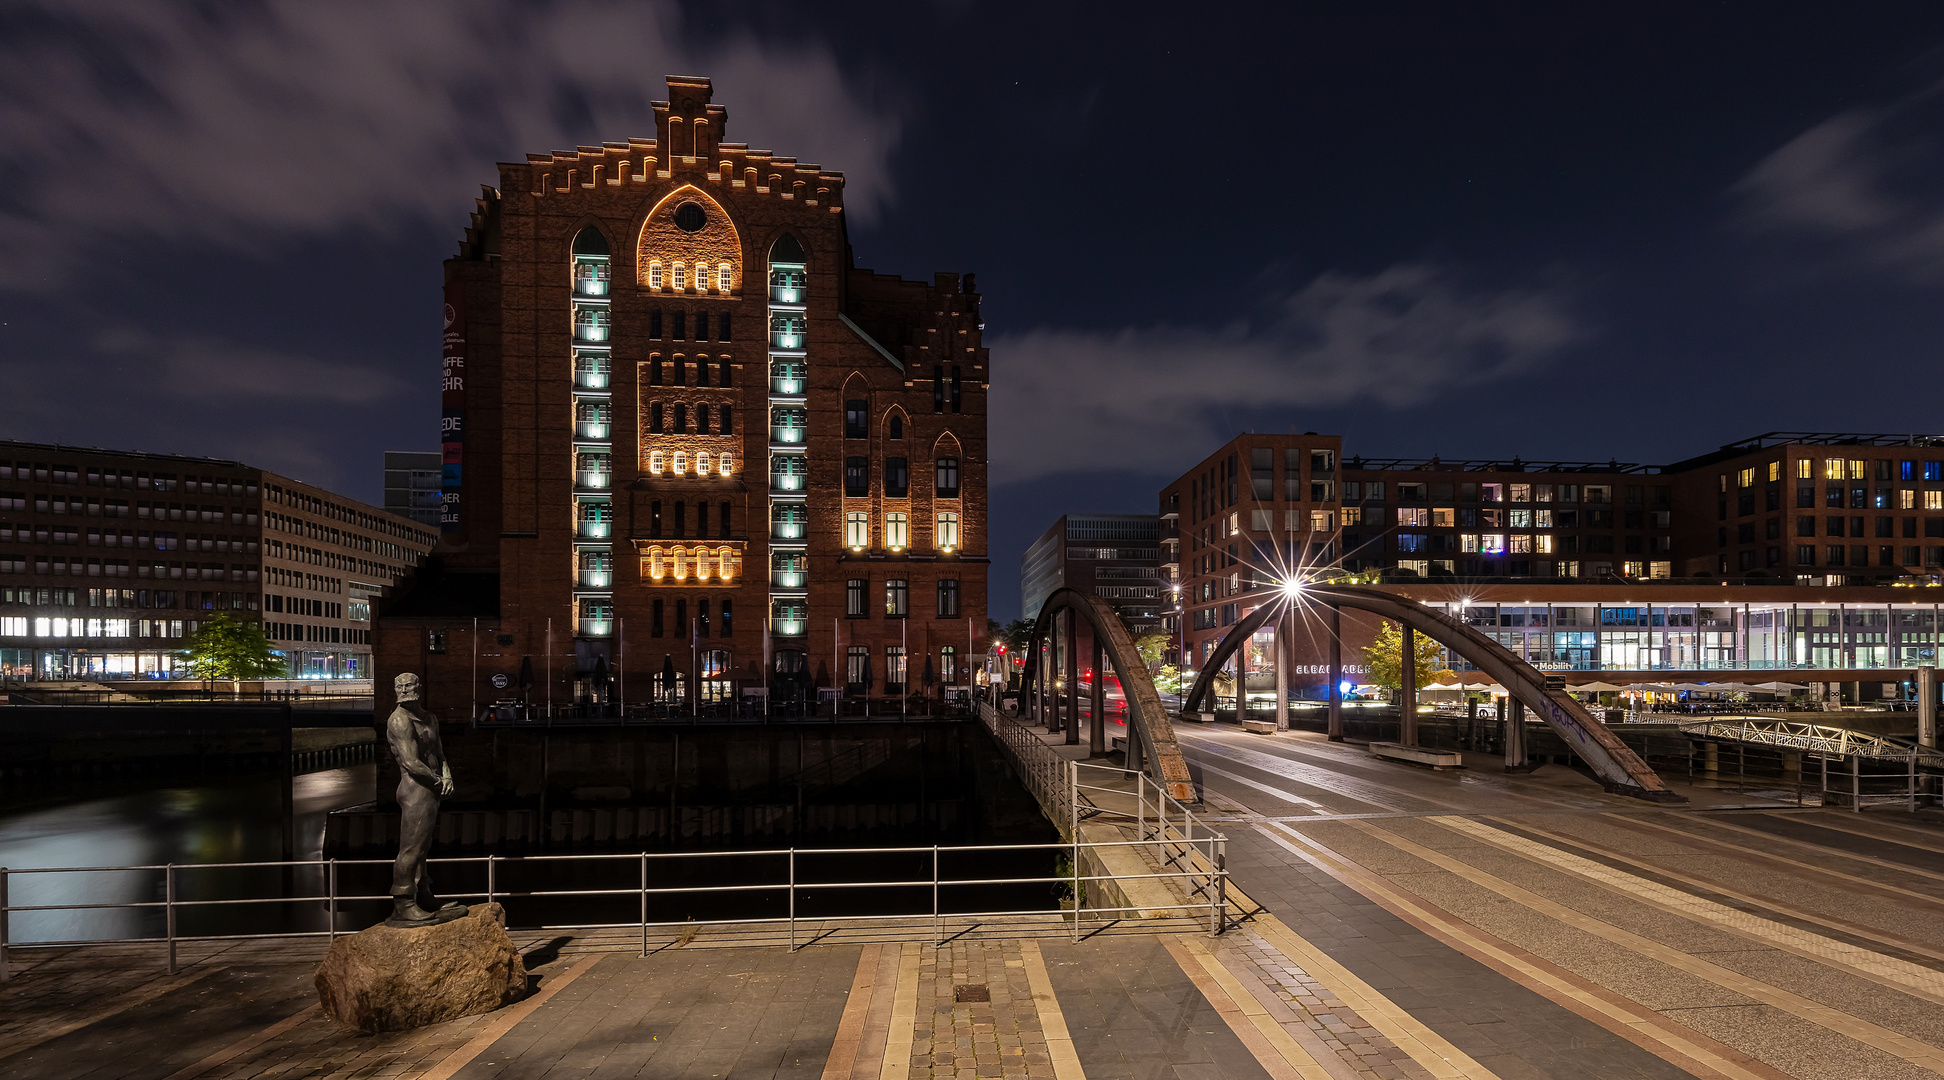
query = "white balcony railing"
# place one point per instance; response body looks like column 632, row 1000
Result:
column 596, row 530
column 597, row 579
column 596, row 627
column 594, row 479
column 592, row 429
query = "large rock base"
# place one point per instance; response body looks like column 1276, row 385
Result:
column 390, row 979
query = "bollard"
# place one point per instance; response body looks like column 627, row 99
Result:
column 168, row 908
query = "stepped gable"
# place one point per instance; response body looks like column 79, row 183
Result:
column 687, row 146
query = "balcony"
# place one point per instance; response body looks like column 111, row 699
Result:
column 591, row 331
column 592, row 429
column 587, row 378
column 596, row 627
column 781, row 481
column 788, row 434
column 787, row 530
column 789, row 579
column 594, row 530
column 787, row 385
column 790, row 627
column 592, row 479
column 786, row 339
column 597, row 579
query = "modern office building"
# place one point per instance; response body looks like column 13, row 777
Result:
column 1752, row 550
column 690, row 451
column 109, row 560
column 413, row 486
column 1116, row 557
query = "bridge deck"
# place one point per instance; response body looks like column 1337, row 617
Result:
column 1411, row 924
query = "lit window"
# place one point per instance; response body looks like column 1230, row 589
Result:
column 1468, row 542
column 1805, row 468
column 1934, row 500
column 723, row 277
column 680, row 277
column 897, row 601
column 896, row 531
column 1906, row 499
column 1542, row 519
column 1832, row 468
column 1542, row 544
column 655, row 462
column 1856, row 469
column 1521, row 544
column 1775, row 471
column 857, row 530
column 1745, row 478
column 681, row 462
column 1660, row 569
column 1634, row 568
column 655, row 274
column 948, row 532
column 703, row 463
column 1492, row 543
column 1321, row 521
column 726, row 463
column 701, row 275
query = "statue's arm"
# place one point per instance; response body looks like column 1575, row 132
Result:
column 404, row 745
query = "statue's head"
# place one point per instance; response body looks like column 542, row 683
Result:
column 406, row 687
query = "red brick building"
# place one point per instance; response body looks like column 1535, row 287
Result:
column 684, row 436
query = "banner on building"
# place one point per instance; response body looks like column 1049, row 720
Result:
column 452, row 410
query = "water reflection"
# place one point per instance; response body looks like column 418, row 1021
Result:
column 211, row 822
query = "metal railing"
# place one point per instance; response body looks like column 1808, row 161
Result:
column 330, row 903
column 1820, row 738
column 1041, row 768
column 1164, row 826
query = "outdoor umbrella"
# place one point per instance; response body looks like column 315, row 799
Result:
column 1593, row 688
column 667, row 676
column 867, row 675
column 929, row 676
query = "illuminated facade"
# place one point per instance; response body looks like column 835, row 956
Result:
column 110, row 560
column 1772, row 553
column 693, row 455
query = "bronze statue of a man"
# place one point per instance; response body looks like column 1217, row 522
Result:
column 423, row 778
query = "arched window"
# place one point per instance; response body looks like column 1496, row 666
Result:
column 589, row 241
column 725, row 530
column 702, row 414
column 681, row 466
column 679, row 276
column 728, row 419
column 655, row 370
column 681, row 424
column 655, row 423
column 655, row 274
column 655, row 467
column 896, row 427
column 857, row 419
column 704, row 461
column 726, row 463
column 725, row 275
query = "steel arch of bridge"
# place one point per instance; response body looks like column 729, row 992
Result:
column 1617, row 766
column 1147, row 718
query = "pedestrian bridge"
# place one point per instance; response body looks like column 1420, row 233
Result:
column 1152, row 745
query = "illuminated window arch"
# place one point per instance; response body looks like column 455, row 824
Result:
column 701, row 251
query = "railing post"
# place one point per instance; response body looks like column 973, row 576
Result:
column 5, row 907
column 1073, row 777
column 1140, row 805
column 491, row 890
column 1221, row 879
column 938, row 922
column 330, row 903
column 168, row 909
column 644, row 903
column 792, row 899
column 1913, row 779
column 1214, row 900
column 1856, row 783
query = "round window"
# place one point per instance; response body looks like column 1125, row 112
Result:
column 690, row 218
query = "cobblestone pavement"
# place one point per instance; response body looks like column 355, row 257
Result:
column 1390, row 923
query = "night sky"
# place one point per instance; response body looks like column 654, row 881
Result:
column 1552, row 230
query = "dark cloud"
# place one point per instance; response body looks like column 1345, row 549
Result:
column 1069, row 401
column 1862, row 186
column 245, row 123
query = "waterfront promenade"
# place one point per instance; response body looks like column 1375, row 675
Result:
column 1389, row 922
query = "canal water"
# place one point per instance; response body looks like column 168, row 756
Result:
column 242, row 820
column 226, row 821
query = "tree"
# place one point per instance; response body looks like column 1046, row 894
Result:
column 1153, row 648
column 227, row 648
column 1385, row 658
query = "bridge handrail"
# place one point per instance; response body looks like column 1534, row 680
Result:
column 1824, row 738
